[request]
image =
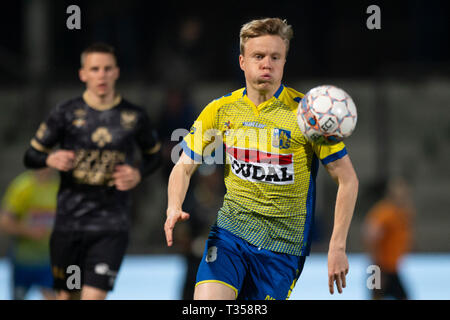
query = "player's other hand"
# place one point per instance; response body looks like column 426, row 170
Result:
column 337, row 269
column 126, row 177
column 62, row 160
column 173, row 216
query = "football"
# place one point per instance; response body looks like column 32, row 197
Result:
column 326, row 115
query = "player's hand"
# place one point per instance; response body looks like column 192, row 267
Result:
column 126, row 177
column 173, row 216
column 62, row 160
column 337, row 269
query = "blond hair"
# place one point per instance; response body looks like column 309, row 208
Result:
column 267, row 26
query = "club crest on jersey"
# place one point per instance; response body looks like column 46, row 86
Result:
column 281, row 138
column 101, row 136
column 128, row 119
column 79, row 120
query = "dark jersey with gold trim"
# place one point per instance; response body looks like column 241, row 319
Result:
column 87, row 198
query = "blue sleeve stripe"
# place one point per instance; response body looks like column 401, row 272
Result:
column 334, row 156
column 194, row 156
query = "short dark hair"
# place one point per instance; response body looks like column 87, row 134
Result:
column 100, row 47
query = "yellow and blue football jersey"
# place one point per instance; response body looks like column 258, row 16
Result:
column 33, row 203
column 270, row 167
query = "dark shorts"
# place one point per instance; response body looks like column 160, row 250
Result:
column 253, row 273
column 90, row 258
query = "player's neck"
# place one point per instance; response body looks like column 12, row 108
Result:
column 101, row 102
column 260, row 96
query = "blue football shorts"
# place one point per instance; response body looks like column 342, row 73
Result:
column 26, row 276
column 253, row 273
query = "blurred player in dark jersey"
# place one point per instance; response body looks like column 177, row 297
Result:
column 97, row 134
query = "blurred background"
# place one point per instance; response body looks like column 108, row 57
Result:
column 177, row 56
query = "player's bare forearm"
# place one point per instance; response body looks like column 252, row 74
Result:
column 343, row 173
column 179, row 181
column 345, row 205
column 345, row 176
column 178, row 185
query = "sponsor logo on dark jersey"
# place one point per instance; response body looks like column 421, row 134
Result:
column 101, row 136
column 95, row 167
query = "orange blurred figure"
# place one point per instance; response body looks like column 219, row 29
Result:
column 388, row 236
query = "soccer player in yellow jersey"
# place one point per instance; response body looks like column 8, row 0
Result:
column 257, row 247
column 27, row 214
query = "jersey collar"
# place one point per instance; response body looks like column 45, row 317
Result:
column 101, row 107
column 257, row 109
column 276, row 94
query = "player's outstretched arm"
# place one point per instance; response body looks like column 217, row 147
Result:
column 344, row 175
column 178, row 186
